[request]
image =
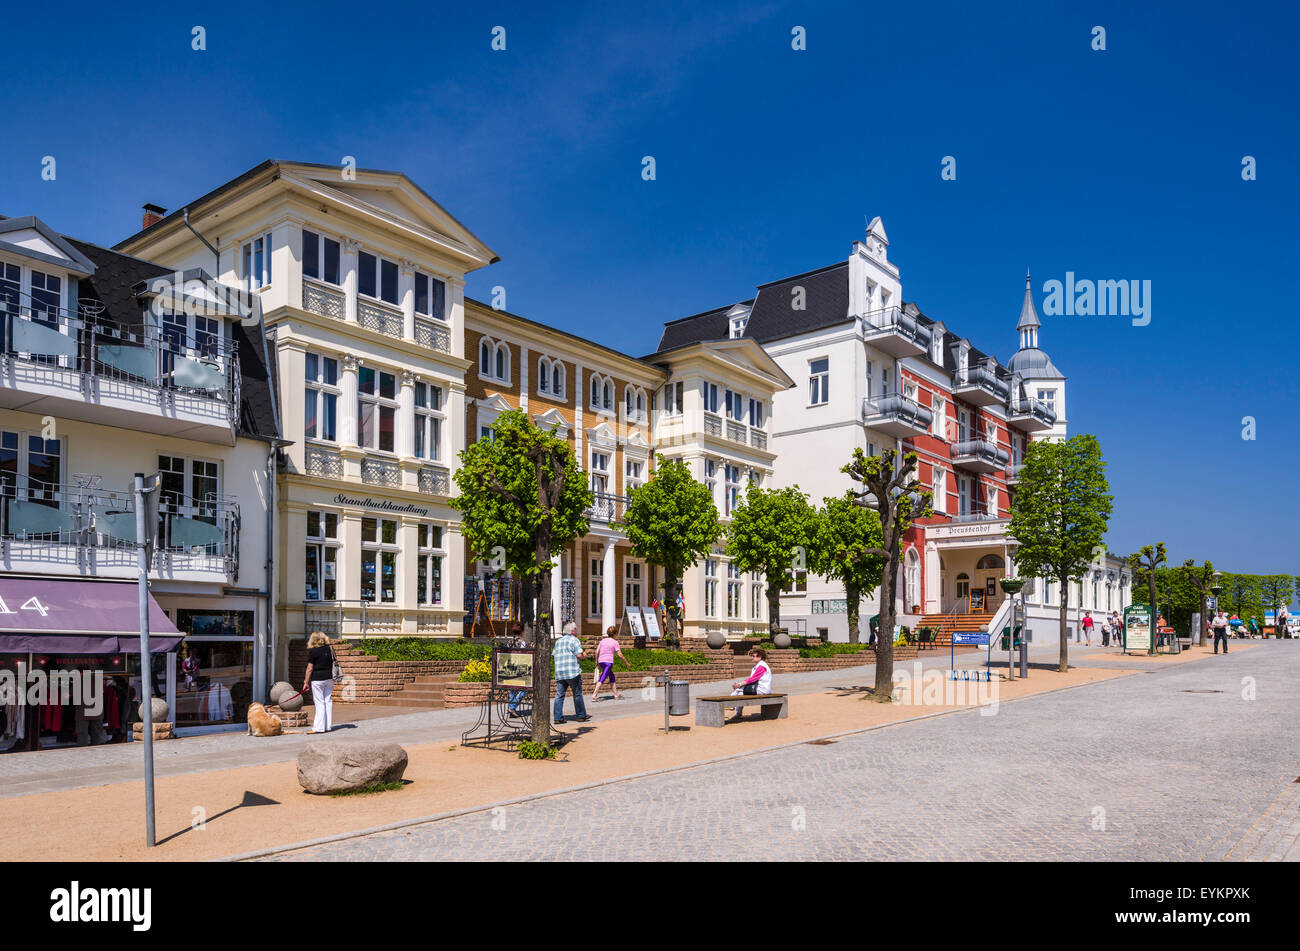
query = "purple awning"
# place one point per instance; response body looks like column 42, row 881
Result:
column 47, row 615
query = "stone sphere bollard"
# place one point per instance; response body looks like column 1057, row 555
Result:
column 716, row 639
column 280, row 689
column 289, row 703
column 781, row 639
column 158, row 707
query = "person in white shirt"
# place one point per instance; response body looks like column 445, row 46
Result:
column 759, row 682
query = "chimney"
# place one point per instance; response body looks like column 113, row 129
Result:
column 152, row 215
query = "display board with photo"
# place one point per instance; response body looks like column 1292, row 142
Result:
column 512, row 669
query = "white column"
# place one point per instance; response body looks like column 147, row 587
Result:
column 523, row 377
column 406, row 294
column 406, row 416
column 350, row 280
column 607, row 618
column 348, row 398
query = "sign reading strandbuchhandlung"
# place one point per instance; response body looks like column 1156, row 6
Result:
column 1137, row 628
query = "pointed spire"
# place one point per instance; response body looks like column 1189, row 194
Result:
column 1028, row 316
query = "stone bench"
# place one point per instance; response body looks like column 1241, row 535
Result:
column 711, row 711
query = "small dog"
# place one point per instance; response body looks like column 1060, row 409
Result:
column 261, row 723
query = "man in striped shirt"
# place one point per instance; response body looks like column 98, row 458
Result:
column 568, row 675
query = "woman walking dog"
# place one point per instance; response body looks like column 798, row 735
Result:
column 320, row 677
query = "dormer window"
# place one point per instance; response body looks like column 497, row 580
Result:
column 738, row 325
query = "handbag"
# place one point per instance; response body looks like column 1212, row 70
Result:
column 336, row 671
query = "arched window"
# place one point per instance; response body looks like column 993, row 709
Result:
column 558, row 375
column 503, row 362
column 595, row 391
column 608, row 392
column 913, row 579
column 543, row 375
column 485, row 357
column 989, row 563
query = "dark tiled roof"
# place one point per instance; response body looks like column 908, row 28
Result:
column 111, row 284
column 710, row 325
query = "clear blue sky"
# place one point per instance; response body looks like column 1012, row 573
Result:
column 1123, row 164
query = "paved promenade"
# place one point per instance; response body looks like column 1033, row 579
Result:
column 1172, row 764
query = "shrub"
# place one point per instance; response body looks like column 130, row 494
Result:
column 529, row 749
column 476, row 672
column 420, row 648
column 830, row 650
column 647, row 659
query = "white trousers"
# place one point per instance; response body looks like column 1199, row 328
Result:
column 322, row 698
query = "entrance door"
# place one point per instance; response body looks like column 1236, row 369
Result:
column 963, row 586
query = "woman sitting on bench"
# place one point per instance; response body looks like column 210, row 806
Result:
column 759, row 682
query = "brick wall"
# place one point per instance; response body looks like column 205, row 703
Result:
column 371, row 680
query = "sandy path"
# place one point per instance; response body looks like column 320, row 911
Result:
column 106, row 823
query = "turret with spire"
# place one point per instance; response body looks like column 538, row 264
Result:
column 1030, row 362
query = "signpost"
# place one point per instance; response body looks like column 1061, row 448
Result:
column 146, row 518
column 1137, row 628
column 978, row 638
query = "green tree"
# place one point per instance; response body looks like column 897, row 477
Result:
column 1146, row 570
column 896, row 494
column 847, row 550
column 1243, row 595
column 1276, row 591
column 671, row 522
column 771, row 532
column 1200, row 580
column 1059, row 514
column 522, row 496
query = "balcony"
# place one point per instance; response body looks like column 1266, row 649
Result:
column 377, row 619
column 435, row 480
column 981, row 386
column 897, row 415
column 382, row 472
column 895, row 333
column 68, row 365
column 979, row 455
column 712, row 425
column 59, row 528
column 967, row 517
column 322, row 461
column 433, row 334
column 1013, row 473
column 758, row 438
column 319, row 299
column 380, row 318
column 606, row 507
column 1030, row 415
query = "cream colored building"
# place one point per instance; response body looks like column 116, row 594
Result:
column 361, row 278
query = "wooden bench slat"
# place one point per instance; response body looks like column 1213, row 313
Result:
column 748, row 697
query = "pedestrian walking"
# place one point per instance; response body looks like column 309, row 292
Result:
column 1105, row 632
column 1220, row 625
column 759, row 682
column 606, row 651
column 568, row 674
column 319, row 676
column 1086, row 624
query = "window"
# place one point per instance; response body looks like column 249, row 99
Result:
column 376, row 408
column 735, row 588
column 321, row 397
column 601, row 392
column 494, row 360
column 631, row 584
column 428, row 421
column 1048, row 397
column 732, row 500
column 596, row 588
column 376, row 277
column 734, row 404
column 257, row 262
column 939, row 486
column 673, row 399
column 47, row 295
column 757, row 413
column 31, row 470
column 963, row 425
column 711, row 478
column 379, row 560
column 710, row 587
column 430, row 297
column 798, row 583
column 189, row 489
column 634, row 403
column 819, row 382
column 884, row 380
column 757, row 599
column 599, row 475
column 963, row 495
column 428, row 575
column 320, row 257
column 552, row 377
column 322, row 556
column 11, row 288
column 992, row 500
column 738, row 326
column 912, row 580
column 634, row 471
column 710, row 393
column 939, row 425
column 871, row 372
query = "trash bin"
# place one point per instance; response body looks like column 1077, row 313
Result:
column 679, row 698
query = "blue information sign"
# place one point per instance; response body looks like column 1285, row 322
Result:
column 980, row 638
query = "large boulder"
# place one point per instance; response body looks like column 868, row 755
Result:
column 332, row 766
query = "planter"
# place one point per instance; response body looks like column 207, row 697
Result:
column 1011, row 585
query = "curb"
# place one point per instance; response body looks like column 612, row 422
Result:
column 488, row 807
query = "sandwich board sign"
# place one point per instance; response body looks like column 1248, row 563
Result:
column 651, row 624
column 1137, row 628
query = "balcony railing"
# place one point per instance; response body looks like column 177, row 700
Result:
column 897, row 408
column 379, row 318
column 981, row 451
column 435, row 480
column 712, row 424
column 606, row 507
column 758, row 439
column 893, row 322
column 322, row 300
column 1013, row 471
column 983, row 377
column 433, row 334
column 191, row 371
column 1028, row 408
column 975, row 517
column 385, row 472
column 323, row 461
column 92, row 526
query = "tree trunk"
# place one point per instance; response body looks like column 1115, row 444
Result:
column 672, row 619
column 884, row 688
column 542, row 645
column 1064, row 665
column 854, row 596
column 773, row 609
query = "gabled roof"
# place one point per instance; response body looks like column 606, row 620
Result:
column 33, row 238
column 744, row 354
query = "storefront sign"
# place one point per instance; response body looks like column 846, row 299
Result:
column 382, row 505
column 1137, row 628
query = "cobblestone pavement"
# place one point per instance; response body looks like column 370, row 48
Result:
column 1172, row 765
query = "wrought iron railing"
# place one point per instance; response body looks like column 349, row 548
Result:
column 896, row 407
column 322, row 300
column 379, row 318
column 323, row 461
column 198, row 371
column 384, row 472
column 435, row 480
column 434, row 334
column 606, row 507
column 894, row 320
column 44, row 521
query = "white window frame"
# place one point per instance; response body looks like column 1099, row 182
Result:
column 320, row 391
column 819, row 382
column 257, row 274
column 673, row 398
column 323, row 543
column 711, row 587
column 633, row 572
column 552, row 377
column 321, row 239
column 380, row 260
column 498, row 353
column 429, row 420
column 374, row 404
column 430, row 556
column 429, row 281
column 381, row 548
column 596, row 588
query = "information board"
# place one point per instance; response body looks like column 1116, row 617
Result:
column 979, row 638
column 1137, row 628
column 651, row 624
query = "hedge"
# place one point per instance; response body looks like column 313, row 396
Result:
column 420, row 648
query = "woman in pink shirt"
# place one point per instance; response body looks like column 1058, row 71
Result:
column 605, row 652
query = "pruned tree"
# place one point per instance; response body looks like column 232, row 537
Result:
column 847, row 549
column 1059, row 515
column 521, row 497
column 1200, row 580
column 671, row 522
column 897, row 495
column 771, row 532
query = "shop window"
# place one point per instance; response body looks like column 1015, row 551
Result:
column 322, row 556
column 379, row 560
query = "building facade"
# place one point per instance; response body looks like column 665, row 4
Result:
column 111, row 366
column 361, row 280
